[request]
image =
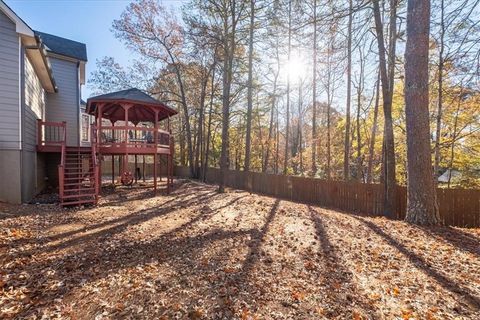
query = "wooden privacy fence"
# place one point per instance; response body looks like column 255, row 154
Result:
column 458, row 207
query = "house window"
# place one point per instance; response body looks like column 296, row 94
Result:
column 85, row 128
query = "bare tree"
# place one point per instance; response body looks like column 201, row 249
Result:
column 371, row 150
column 314, row 91
column 387, row 90
column 346, row 156
column 248, row 138
column 289, row 50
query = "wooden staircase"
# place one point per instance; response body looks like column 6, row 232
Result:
column 78, row 176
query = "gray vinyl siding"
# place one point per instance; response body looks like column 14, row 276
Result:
column 9, row 85
column 29, row 175
column 33, row 106
column 10, row 187
column 65, row 104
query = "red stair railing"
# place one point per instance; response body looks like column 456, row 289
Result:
column 61, row 166
column 51, row 136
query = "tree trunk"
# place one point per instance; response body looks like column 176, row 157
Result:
column 454, row 138
column 227, row 81
column 270, row 127
column 438, row 131
column 287, row 129
column 314, row 92
column 277, row 143
column 186, row 114
column 249, row 88
column 209, row 126
column 346, row 155
column 200, row 124
column 374, row 132
column 182, row 142
column 389, row 180
column 360, row 87
column 421, row 206
column 300, row 123
column 359, row 137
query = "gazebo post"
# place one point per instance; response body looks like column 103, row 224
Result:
column 143, row 169
column 136, row 163
column 169, row 158
column 113, row 169
column 155, row 138
column 99, row 137
column 113, row 156
column 126, row 107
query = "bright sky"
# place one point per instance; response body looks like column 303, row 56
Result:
column 87, row 21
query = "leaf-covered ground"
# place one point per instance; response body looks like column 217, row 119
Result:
column 197, row 254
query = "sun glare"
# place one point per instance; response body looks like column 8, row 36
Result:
column 296, row 68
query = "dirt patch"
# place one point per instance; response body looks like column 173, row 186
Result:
column 202, row 255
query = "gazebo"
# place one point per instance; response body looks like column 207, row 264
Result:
column 130, row 122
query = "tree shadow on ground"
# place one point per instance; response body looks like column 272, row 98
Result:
column 256, row 242
column 336, row 278
column 141, row 215
column 239, row 283
column 459, row 239
column 74, row 270
column 419, row 262
column 119, row 225
column 138, row 216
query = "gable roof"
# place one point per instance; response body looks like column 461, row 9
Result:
column 62, row 46
column 34, row 48
column 20, row 25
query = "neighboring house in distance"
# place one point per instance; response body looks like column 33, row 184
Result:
column 40, row 79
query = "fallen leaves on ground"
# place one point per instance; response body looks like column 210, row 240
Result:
column 198, row 254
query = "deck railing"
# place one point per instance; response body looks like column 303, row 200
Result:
column 133, row 137
column 51, row 134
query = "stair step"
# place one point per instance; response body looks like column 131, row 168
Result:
column 77, row 172
column 73, row 185
column 72, row 203
column 77, row 178
column 89, row 188
column 71, row 196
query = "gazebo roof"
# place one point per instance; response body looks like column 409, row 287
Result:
column 142, row 107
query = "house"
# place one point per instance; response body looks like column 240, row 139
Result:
column 40, row 80
column 46, row 134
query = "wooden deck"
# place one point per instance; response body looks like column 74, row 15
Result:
column 110, row 140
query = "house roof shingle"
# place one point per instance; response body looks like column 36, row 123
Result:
column 135, row 96
column 62, row 46
column 132, row 94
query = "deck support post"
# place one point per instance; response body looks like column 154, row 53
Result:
column 113, row 170
column 126, row 107
column 136, row 158
column 99, row 140
column 155, row 140
column 135, row 170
